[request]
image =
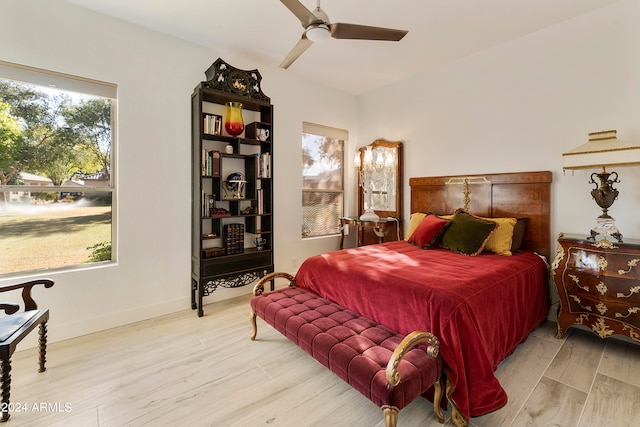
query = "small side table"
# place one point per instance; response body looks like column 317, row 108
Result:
column 378, row 227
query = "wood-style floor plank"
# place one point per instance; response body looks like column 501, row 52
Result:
column 584, row 346
column 621, row 360
column 612, row 403
column 551, row 404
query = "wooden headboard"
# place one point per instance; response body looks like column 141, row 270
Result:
column 514, row 195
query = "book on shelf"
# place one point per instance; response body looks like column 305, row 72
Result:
column 210, row 162
column 212, row 124
column 208, row 204
column 260, row 201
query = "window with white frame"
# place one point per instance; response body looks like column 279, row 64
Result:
column 57, row 140
column 322, row 179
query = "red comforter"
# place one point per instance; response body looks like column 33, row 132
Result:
column 479, row 307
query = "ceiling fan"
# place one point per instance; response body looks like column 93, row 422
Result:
column 317, row 27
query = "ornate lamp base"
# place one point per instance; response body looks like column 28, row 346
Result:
column 605, row 227
column 369, row 215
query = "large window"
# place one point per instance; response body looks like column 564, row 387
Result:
column 322, row 179
column 56, row 170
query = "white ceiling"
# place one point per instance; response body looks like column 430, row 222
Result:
column 440, row 31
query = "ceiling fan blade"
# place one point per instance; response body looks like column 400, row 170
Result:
column 305, row 16
column 341, row 30
column 302, row 45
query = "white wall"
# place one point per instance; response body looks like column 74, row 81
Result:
column 519, row 106
column 156, row 75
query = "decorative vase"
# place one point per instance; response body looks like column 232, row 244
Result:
column 234, row 124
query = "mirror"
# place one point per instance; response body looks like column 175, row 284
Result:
column 380, row 169
column 383, row 177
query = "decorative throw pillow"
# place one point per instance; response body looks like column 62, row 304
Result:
column 501, row 239
column 428, row 232
column 518, row 234
column 414, row 221
column 467, row 234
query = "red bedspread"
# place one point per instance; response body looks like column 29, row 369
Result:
column 479, row 307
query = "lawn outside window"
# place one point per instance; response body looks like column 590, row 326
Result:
column 57, row 188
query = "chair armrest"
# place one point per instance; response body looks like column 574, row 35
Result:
column 29, row 303
column 9, row 307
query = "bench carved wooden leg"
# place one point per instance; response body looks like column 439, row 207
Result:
column 42, row 346
column 456, row 416
column 258, row 289
column 254, row 325
column 6, row 389
column 437, row 399
column 390, row 414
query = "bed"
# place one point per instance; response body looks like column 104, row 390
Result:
column 480, row 307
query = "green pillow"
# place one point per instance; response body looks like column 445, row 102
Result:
column 467, row 234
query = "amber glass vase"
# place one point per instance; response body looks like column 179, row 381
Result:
column 233, row 123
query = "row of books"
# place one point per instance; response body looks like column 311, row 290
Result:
column 208, row 204
column 212, row 124
column 210, row 163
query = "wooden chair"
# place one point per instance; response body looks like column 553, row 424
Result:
column 14, row 327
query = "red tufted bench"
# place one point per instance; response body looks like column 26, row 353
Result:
column 387, row 368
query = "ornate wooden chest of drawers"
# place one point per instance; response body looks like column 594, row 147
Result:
column 599, row 286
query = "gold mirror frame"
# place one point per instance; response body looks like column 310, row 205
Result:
column 394, row 211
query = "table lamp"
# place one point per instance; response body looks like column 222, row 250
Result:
column 603, row 149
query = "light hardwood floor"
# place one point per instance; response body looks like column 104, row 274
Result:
column 181, row 370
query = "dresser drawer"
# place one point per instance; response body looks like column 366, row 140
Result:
column 608, row 287
column 611, row 308
column 604, row 262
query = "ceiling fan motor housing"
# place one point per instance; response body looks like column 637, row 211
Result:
column 318, row 32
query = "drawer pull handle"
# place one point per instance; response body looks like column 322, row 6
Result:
column 576, row 280
column 634, row 290
column 579, row 302
column 631, row 311
column 631, row 264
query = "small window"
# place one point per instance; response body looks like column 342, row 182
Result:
column 322, row 179
column 56, row 169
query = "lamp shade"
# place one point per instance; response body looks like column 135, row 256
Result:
column 356, row 159
column 602, row 149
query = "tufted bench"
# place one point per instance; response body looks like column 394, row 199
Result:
column 389, row 369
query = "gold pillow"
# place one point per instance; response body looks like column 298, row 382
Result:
column 500, row 241
column 414, row 221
